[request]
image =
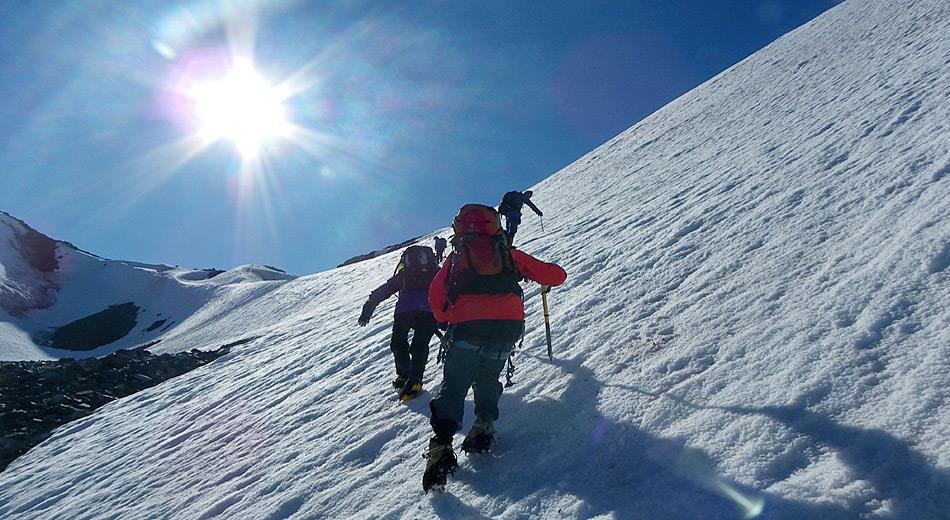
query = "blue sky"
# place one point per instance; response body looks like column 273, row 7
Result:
column 411, row 109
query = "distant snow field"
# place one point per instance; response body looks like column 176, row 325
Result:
column 756, row 324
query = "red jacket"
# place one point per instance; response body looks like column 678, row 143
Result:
column 470, row 307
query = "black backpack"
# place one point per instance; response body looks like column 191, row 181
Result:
column 417, row 267
column 510, row 202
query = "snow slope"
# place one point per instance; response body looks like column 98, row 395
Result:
column 755, row 324
column 46, row 283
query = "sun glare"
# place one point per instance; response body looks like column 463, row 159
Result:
column 241, row 107
column 213, row 93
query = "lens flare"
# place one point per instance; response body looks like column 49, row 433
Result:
column 752, row 506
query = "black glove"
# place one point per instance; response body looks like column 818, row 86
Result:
column 540, row 213
column 367, row 313
column 545, row 289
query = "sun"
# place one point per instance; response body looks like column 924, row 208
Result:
column 239, row 106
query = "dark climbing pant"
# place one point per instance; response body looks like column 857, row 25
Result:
column 468, row 365
column 512, row 220
column 411, row 358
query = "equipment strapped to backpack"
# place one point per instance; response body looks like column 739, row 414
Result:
column 418, row 267
column 481, row 262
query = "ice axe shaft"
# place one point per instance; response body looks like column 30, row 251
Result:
column 547, row 321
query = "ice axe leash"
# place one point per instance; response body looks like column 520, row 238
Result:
column 547, row 320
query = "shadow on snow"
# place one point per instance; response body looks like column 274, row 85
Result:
column 566, row 448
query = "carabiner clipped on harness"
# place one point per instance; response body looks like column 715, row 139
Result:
column 445, row 343
column 510, row 372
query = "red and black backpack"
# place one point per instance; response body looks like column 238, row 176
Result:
column 481, row 260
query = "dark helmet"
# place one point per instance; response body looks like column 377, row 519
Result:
column 528, row 193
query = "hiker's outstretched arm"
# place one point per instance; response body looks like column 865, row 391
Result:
column 538, row 271
column 381, row 293
column 533, row 207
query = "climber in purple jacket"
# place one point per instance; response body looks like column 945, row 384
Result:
column 417, row 267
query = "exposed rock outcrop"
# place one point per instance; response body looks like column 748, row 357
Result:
column 36, row 397
column 95, row 330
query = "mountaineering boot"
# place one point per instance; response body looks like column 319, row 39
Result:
column 440, row 461
column 410, row 391
column 399, row 382
column 480, row 438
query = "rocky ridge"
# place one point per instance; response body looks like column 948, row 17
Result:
column 36, row 397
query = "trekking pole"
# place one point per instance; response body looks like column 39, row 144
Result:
column 547, row 322
column 542, row 223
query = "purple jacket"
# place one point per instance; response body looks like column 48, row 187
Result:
column 415, row 300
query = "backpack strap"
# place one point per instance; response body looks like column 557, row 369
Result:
column 462, row 277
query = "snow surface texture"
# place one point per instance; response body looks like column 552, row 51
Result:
column 42, row 291
column 755, row 323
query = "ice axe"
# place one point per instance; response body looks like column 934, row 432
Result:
column 547, row 322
